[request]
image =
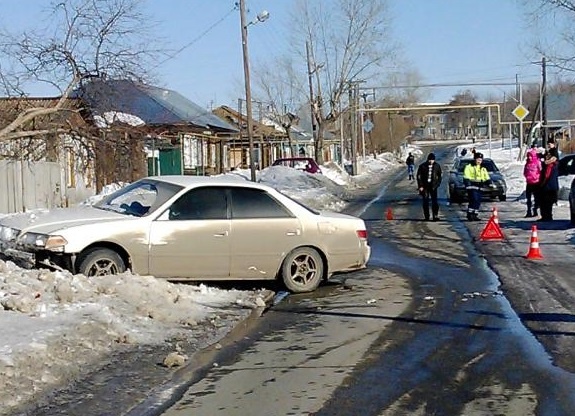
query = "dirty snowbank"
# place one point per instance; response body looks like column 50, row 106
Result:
column 57, row 325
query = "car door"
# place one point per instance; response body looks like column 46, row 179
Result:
column 192, row 238
column 263, row 231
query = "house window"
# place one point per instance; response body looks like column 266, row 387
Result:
column 212, row 155
column 191, row 152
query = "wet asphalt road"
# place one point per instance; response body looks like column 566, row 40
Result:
column 457, row 348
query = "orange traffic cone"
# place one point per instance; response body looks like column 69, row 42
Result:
column 534, row 253
column 389, row 214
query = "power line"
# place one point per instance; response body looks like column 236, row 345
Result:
column 197, row 38
column 448, row 84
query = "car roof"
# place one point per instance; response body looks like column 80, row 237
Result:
column 470, row 159
column 293, row 158
column 222, row 180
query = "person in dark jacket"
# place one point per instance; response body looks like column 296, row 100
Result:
column 410, row 162
column 428, row 180
column 549, row 184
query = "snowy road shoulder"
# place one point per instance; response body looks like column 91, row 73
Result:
column 61, row 325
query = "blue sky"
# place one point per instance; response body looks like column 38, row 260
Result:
column 447, row 41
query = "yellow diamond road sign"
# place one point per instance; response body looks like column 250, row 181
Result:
column 520, row 112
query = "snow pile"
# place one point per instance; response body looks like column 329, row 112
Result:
column 56, row 324
column 111, row 117
column 318, row 191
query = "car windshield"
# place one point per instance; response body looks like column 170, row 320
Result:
column 486, row 163
column 140, row 198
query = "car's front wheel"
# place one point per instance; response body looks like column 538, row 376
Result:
column 302, row 270
column 101, row 262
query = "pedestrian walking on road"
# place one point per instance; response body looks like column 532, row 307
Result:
column 532, row 174
column 410, row 162
column 475, row 177
column 549, row 183
column 428, row 181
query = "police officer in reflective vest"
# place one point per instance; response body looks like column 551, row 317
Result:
column 475, row 177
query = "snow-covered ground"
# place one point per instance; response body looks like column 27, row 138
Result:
column 53, row 323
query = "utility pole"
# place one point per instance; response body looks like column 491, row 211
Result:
column 363, row 119
column 353, row 98
column 544, row 101
column 311, row 98
column 250, row 126
column 356, row 124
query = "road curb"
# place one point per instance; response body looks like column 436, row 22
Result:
column 165, row 395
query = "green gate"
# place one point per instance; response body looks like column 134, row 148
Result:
column 170, row 162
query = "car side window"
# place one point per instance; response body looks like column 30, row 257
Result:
column 206, row 203
column 256, row 203
column 490, row 166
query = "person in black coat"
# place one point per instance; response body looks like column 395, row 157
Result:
column 428, row 181
column 549, row 182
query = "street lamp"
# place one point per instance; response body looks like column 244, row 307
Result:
column 262, row 17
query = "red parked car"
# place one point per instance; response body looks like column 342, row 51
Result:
column 307, row 164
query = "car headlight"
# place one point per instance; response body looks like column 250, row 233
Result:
column 48, row 242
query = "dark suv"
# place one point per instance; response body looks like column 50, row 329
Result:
column 307, row 164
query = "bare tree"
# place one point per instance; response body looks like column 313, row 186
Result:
column 279, row 84
column 404, row 87
column 85, row 39
column 349, row 41
column 552, row 23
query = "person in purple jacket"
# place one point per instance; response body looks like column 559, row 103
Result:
column 532, row 174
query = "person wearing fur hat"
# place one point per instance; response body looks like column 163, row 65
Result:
column 475, row 177
column 428, row 180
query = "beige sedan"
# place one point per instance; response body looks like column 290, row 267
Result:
column 192, row 228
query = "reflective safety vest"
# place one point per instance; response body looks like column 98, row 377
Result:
column 475, row 173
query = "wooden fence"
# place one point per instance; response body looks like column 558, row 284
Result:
column 29, row 185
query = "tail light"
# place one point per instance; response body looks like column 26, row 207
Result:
column 362, row 234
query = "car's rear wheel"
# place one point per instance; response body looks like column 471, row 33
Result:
column 502, row 197
column 572, row 212
column 101, row 262
column 302, row 270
